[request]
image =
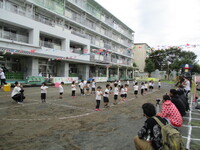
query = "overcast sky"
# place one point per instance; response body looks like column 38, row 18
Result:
column 160, row 22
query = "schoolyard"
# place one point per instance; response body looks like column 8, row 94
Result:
column 73, row 124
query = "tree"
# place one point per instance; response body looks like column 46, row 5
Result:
column 149, row 67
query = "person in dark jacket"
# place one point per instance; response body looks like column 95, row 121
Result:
column 183, row 97
column 149, row 136
column 177, row 102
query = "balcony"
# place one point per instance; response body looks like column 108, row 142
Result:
column 78, row 33
column 50, row 45
column 14, row 37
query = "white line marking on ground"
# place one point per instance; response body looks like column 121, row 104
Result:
column 190, row 127
column 18, row 105
column 63, row 118
column 193, row 139
column 74, row 107
column 192, row 118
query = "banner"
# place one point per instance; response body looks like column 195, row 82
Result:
column 65, row 79
column 100, row 79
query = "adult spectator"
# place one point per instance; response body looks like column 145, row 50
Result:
column 2, row 77
column 177, row 102
column 17, row 93
column 149, row 136
column 170, row 112
column 186, row 84
column 183, row 97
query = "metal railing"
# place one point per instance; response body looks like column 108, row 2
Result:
column 15, row 37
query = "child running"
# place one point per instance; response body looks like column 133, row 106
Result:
column 116, row 93
column 73, row 86
column 93, row 86
column 135, row 88
column 125, row 91
column 106, row 95
column 98, row 98
column 142, row 88
column 122, row 93
column 61, row 90
column 88, row 87
column 43, row 92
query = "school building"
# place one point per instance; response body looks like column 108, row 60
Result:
column 64, row 38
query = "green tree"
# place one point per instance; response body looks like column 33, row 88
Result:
column 149, row 67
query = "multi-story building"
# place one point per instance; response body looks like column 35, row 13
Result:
column 64, row 38
column 141, row 52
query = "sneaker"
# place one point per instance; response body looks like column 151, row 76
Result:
column 19, row 103
column 96, row 109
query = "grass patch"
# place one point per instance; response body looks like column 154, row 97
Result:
column 195, row 123
column 168, row 81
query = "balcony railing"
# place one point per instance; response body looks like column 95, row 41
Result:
column 15, row 37
column 50, row 45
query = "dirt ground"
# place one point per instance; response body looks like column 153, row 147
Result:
column 71, row 124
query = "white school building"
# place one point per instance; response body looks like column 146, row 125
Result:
column 64, row 38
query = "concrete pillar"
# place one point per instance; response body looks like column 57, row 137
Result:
column 64, row 69
column 34, row 37
column 118, row 73
column 31, row 67
column 107, row 72
column 126, row 73
column 65, row 45
column 96, row 71
column 35, row 67
column 87, row 69
column 133, row 74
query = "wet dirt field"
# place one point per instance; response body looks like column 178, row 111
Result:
column 71, row 123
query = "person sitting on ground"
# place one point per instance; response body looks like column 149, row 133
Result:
column 183, row 97
column 170, row 112
column 149, row 136
column 177, row 102
column 17, row 93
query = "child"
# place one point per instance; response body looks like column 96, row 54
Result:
column 73, row 86
column 93, row 86
column 98, row 97
column 43, row 92
column 116, row 93
column 135, row 88
column 150, row 86
column 105, row 95
column 119, row 83
column 159, row 84
column 142, row 88
column 128, row 82
column 88, row 87
column 145, row 86
column 125, row 91
column 82, row 87
column 61, row 90
column 111, row 85
column 122, row 93
column 2, row 77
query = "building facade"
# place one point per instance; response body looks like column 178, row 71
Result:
column 64, row 38
column 141, row 52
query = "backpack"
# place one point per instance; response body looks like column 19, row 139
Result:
column 171, row 138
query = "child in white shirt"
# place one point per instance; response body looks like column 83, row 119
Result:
column 106, row 95
column 125, row 91
column 61, row 90
column 93, row 86
column 116, row 93
column 135, row 88
column 43, row 92
column 159, row 84
column 98, row 98
column 142, row 88
column 122, row 93
column 73, row 87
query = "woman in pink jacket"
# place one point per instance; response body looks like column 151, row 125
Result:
column 170, row 112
